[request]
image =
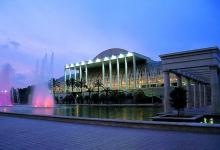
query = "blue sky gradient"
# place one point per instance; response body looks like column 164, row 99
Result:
column 78, row 30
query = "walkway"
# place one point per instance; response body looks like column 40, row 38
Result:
column 26, row 134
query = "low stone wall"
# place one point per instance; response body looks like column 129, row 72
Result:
column 156, row 125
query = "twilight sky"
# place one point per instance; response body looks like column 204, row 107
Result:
column 77, row 30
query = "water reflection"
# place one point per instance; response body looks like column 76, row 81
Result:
column 112, row 112
column 43, row 111
column 108, row 112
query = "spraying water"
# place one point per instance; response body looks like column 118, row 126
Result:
column 6, row 74
column 42, row 96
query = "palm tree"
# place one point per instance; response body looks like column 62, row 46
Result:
column 73, row 83
column 82, row 85
column 67, row 83
column 98, row 84
column 54, row 83
column 89, row 90
column 107, row 90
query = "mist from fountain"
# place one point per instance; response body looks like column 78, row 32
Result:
column 6, row 74
column 41, row 96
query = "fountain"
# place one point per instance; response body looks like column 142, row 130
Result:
column 6, row 74
column 41, row 96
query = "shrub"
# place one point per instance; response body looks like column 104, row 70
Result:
column 139, row 96
column 95, row 98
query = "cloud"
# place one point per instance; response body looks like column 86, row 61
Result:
column 11, row 53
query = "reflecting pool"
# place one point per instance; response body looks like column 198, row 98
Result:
column 90, row 111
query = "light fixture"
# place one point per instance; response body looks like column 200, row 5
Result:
column 67, row 66
column 121, row 56
column 98, row 60
column 113, row 57
column 106, row 59
column 90, row 62
column 129, row 54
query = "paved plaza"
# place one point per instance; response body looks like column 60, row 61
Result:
column 28, row 134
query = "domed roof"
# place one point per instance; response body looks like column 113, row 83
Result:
column 110, row 52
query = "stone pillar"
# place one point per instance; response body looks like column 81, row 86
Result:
column 103, row 73
column 201, row 95
column 205, row 95
column 196, row 95
column 134, row 71
column 179, row 80
column 166, row 77
column 126, row 74
column 215, row 90
column 110, row 73
column 65, row 90
column 86, row 74
column 118, row 77
column 188, row 93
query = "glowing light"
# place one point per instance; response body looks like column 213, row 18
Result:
column 72, row 65
column 129, row 54
column 106, row 59
column 98, row 60
column 82, row 63
column 121, row 56
column 67, row 66
column 77, row 64
column 113, row 57
column 90, row 62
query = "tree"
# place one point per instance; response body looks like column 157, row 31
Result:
column 98, row 84
column 82, row 84
column 89, row 90
column 67, row 83
column 72, row 83
column 54, row 83
column 178, row 99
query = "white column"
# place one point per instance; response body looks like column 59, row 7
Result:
column 69, row 73
column 188, row 95
column 80, row 72
column 75, row 73
column 126, row 74
column 110, row 73
column 145, row 75
column 103, row 73
column 118, row 77
column 86, row 74
column 65, row 80
column 166, row 77
column 215, row 90
column 179, row 80
column 134, row 71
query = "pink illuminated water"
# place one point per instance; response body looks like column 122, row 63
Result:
column 6, row 73
column 5, row 99
column 42, row 96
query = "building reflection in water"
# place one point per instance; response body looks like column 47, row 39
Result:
column 109, row 112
